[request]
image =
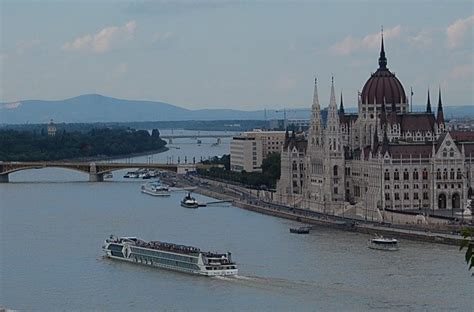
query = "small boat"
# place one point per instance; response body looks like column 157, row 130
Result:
column 189, row 202
column 155, row 188
column 300, row 230
column 383, row 243
column 108, row 175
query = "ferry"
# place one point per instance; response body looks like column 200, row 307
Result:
column 382, row 243
column 169, row 256
column 155, row 188
column 189, row 202
column 300, row 230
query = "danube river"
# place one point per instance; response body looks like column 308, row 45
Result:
column 53, row 223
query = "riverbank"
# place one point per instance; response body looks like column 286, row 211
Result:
column 241, row 199
column 125, row 156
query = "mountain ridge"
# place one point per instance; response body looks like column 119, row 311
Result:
column 99, row 108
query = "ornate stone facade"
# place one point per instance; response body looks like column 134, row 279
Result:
column 380, row 159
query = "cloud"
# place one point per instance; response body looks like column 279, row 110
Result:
column 103, row 40
column 23, row 45
column 461, row 72
column 457, row 31
column 369, row 42
column 423, row 39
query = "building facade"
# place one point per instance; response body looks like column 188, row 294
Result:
column 249, row 149
column 381, row 158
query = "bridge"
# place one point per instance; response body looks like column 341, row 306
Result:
column 171, row 137
column 95, row 170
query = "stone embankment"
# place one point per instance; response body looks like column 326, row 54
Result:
column 242, row 199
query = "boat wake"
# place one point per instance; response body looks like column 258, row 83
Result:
column 267, row 282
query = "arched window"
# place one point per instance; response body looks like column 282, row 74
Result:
column 425, row 174
column 451, row 174
column 295, row 166
column 396, row 175
column 451, row 153
column 335, row 171
column 438, row 174
column 387, row 175
column 445, row 174
column 405, row 175
column 459, row 174
column 415, row 174
column 445, row 153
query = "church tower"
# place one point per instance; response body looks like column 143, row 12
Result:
column 333, row 185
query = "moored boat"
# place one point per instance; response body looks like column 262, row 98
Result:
column 155, row 188
column 383, row 243
column 300, row 230
column 189, row 202
column 169, row 256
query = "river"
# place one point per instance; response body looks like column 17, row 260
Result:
column 53, row 223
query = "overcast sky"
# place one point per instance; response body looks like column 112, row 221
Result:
column 232, row 54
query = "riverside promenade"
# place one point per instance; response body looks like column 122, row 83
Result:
column 243, row 199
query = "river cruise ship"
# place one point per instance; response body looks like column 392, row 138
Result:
column 170, row 256
column 155, row 188
column 382, row 243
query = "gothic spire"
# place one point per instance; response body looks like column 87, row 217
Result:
column 382, row 58
column 428, row 103
column 315, row 95
column 332, row 100
column 341, row 106
column 440, row 117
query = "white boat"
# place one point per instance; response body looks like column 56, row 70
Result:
column 155, row 188
column 189, row 202
column 108, row 175
column 170, row 256
column 382, row 243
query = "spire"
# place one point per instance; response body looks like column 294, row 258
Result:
column 428, row 103
column 385, row 142
column 341, row 106
column 315, row 95
column 382, row 58
column 383, row 114
column 332, row 100
column 440, row 117
column 376, row 138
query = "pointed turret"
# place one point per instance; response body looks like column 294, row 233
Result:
column 332, row 100
column 316, row 127
column 385, row 141
column 375, row 145
column 440, row 116
column 428, row 103
column 383, row 115
column 315, row 94
column 382, row 58
column 341, row 106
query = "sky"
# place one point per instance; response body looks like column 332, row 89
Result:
column 233, row 54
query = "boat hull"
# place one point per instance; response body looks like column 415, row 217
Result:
column 162, row 194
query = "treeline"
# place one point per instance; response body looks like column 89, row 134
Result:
column 258, row 180
column 36, row 146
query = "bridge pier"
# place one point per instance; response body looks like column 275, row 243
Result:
column 4, row 178
column 96, row 177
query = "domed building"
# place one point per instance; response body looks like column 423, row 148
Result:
column 380, row 162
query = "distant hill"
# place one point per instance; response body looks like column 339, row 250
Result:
column 99, row 108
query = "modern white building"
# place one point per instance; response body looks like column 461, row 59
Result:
column 249, row 149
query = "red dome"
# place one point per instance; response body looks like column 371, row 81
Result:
column 383, row 85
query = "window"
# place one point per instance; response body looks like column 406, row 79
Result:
column 438, row 174
column 451, row 174
column 425, row 195
column 415, row 175
column 396, row 175
column 415, row 196
column 445, row 174
column 335, row 170
column 445, row 153
column 387, row 196
column 425, row 174
column 387, row 175
column 406, row 196
column 335, row 190
column 405, row 175
column 459, row 174
column 397, row 196
column 451, row 153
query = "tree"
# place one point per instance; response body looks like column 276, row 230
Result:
column 468, row 243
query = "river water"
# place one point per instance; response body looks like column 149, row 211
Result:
column 53, row 223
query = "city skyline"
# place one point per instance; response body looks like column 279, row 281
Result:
column 237, row 54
